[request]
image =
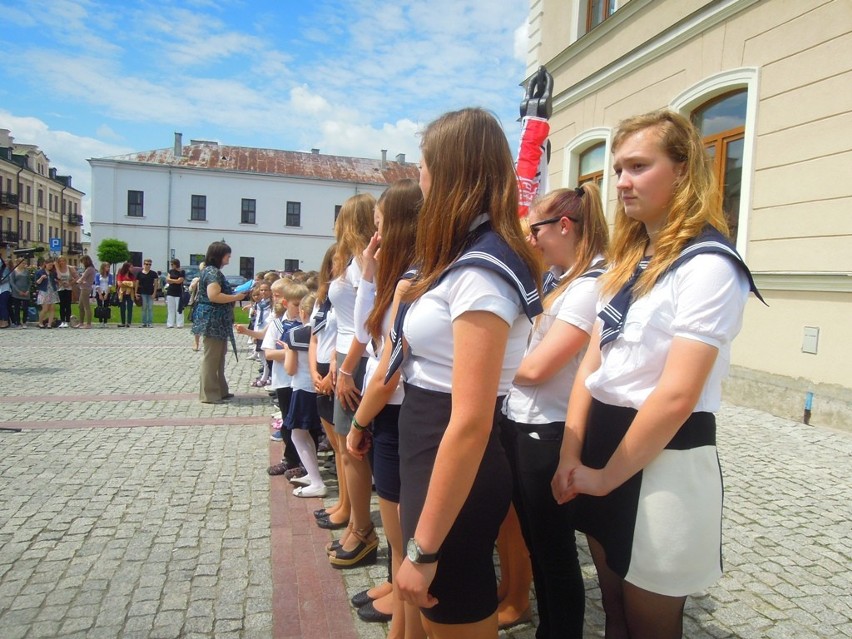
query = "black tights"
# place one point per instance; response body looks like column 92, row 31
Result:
column 64, row 305
column 634, row 613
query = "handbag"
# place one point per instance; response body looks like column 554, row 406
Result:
column 103, row 312
column 137, row 300
column 184, row 301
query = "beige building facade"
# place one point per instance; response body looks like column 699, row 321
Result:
column 767, row 82
column 36, row 204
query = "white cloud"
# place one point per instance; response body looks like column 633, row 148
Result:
column 522, row 42
column 66, row 151
column 344, row 138
column 191, row 39
column 106, row 132
column 383, row 69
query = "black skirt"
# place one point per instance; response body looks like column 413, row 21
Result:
column 386, row 453
column 465, row 583
column 325, row 403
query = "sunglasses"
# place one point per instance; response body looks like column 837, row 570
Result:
column 534, row 228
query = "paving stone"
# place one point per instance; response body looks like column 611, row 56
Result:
column 164, row 530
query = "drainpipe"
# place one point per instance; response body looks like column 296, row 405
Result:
column 169, row 222
column 62, row 213
column 809, row 402
column 18, row 206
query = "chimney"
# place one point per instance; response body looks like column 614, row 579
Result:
column 400, row 158
column 384, row 159
column 178, row 144
column 315, row 151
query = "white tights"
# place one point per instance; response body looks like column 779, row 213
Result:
column 307, row 450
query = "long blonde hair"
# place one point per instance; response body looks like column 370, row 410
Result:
column 472, row 172
column 696, row 203
column 354, row 228
column 585, row 210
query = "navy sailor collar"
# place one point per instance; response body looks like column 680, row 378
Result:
column 486, row 249
column 710, row 240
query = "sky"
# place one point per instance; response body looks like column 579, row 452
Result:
column 97, row 78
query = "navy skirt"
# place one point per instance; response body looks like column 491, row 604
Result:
column 302, row 413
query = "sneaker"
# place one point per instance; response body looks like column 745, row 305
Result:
column 293, row 473
column 63, row 325
column 276, row 436
column 324, row 445
column 278, row 469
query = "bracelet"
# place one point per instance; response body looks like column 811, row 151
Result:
column 343, row 372
column 358, row 426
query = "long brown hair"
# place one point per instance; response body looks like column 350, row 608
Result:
column 400, row 204
column 472, row 172
column 589, row 224
column 696, row 202
column 325, row 275
column 354, row 228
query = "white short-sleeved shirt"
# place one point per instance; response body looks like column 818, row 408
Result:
column 266, row 316
column 302, row 380
column 548, row 402
column 428, row 326
column 327, row 338
column 701, row 300
column 280, row 378
column 341, row 292
column 366, row 300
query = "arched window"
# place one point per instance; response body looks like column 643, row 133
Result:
column 592, row 165
column 586, row 159
column 722, row 123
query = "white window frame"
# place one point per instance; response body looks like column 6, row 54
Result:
column 576, row 147
column 715, row 85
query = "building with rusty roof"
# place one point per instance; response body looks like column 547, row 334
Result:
column 276, row 209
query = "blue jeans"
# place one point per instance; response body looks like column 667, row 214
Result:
column 147, row 309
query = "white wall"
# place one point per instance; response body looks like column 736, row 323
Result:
column 166, row 223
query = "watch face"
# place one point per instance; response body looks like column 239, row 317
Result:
column 412, row 551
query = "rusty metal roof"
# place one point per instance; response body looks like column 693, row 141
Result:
column 210, row 155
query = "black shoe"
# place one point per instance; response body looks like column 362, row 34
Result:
column 228, row 396
column 368, row 613
column 361, row 599
column 364, row 553
column 326, row 524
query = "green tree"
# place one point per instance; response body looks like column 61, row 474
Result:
column 113, row 251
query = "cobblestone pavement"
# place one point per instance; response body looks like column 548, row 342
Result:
column 129, row 509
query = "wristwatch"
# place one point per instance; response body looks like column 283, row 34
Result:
column 417, row 556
